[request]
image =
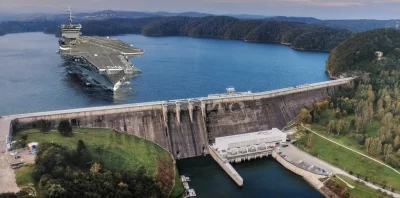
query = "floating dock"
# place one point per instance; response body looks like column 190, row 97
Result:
column 188, row 192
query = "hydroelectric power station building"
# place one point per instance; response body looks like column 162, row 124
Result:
column 97, row 61
column 237, row 148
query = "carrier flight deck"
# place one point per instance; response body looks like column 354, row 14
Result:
column 100, row 61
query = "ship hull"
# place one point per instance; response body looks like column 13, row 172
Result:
column 93, row 77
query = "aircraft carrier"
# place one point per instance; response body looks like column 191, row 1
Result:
column 97, row 61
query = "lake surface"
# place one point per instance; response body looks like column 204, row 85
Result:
column 261, row 178
column 33, row 78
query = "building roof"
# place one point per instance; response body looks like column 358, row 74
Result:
column 246, row 139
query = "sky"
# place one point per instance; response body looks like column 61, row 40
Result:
column 323, row 9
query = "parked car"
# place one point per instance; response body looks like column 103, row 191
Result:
column 285, row 145
column 17, row 157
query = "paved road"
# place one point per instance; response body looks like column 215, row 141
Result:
column 296, row 154
column 4, row 130
column 7, row 175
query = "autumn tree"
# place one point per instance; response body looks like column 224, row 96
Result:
column 95, row 168
column 373, row 146
column 381, row 112
column 385, row 134
column 387, row 120
column 387, row 150
column 309, row 142
column 396, row 142
column 340, row 126
column 331, row 126
column 305, row 116
column 358, row 124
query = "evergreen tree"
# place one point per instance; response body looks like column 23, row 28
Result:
column 45, row 126
column 65, row 128
column 80, row 148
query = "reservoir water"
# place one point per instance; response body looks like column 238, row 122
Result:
column 33, row 78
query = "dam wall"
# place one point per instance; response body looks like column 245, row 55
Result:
column 244, row 116
column 185, row 127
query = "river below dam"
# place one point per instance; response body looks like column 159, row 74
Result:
column 33, row 78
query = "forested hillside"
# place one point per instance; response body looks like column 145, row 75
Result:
column 357, row 25
column 358, row 53
column 8, row 27
column 298, row 35
column 366, row 114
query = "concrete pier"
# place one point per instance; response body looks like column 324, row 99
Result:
column 226, row 166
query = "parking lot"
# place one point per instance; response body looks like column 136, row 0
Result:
column 23, row 155
column 305, row 160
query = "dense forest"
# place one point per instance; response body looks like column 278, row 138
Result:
column 367, row 111
column 358, row 53
column 61, row 172
column 377, row 94
column 8, row 27
column 296, row 34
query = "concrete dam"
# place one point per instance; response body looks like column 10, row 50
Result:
column 186, row 127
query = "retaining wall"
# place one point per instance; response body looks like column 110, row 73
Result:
column 310, row 177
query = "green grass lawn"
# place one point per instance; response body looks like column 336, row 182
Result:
column 178, row 187
column 322, row 128
column 344, row 139
column 23, row 176
column 350, row 161
column 117, row 151
column 360, row 190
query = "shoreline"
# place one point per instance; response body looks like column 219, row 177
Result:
column 225, row 38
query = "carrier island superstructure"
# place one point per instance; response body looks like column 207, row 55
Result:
column 97, row 61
